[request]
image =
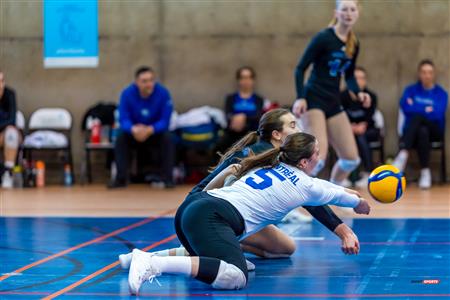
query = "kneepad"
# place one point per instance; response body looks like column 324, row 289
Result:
column 348, row 165
column 319, row 166
column 11, row 137
column 229, row 277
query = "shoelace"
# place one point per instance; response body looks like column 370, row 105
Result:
column 150, row 279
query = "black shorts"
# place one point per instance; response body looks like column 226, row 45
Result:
column 208, row 226
column 331, row 106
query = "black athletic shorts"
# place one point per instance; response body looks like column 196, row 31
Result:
column 208, row 226
column 330, row 105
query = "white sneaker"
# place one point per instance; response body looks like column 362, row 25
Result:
column 362, row 183
column 142, row 268
column 7, row 180
column 250, row 266
column 425, row 179
column 400, row 160
column 294, row 216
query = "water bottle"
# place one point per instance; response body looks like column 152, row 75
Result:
column 17, row 177
column 96, row 131
column 68, row 180
column 40, row 173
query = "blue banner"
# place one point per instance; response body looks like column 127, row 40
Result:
column 70, row 33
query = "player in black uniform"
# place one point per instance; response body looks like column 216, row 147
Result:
column 333, row 53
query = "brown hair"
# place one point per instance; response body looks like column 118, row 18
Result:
column 352, row 41
column 269, row 122
column 243, row 68
column 296, row 147
column 422, row 63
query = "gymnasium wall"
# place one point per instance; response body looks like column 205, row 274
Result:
column 196, row 46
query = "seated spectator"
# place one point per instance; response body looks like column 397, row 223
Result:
column 362, row 122
column 144, row 114
column 242, row 108
column 423, row 104
column 9, row 134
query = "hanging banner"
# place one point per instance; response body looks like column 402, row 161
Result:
column 70, row 34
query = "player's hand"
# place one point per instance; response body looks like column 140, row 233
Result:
column 365, row 99
column 299, row 108
column 429, row 109
column 363, row 207
column 349, row 240
column 138, row 132
column 410, row 101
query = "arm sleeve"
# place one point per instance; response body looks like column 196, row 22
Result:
column 325, row 215
column 124, row 114
column 440, row 106
column 312, row 51
column 162, row 124
column 11, row 120
column 322, row 192
column 371, row 111
column 352, row 85
column 410, row 109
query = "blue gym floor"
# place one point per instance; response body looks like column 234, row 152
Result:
column 396, row 256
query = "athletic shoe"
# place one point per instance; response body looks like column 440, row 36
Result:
column 142, row 268
column 425, row 179
column 7, row 180
column 400, row 160
column 294, row 216
column 346, row 183
column 250, row 266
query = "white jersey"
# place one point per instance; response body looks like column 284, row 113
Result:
column 265, row 195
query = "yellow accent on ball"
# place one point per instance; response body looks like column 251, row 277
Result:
column 383, row 184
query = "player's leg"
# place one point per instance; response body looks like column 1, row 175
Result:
column 269, row 242
column 343, row 141
column 211, row 227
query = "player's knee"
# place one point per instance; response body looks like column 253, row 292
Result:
column 11, row 137
column 319, row 166
column 348, row 165
column 229, row 277
column 290, row 247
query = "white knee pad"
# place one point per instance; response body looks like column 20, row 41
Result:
column 229, row 277
column 319, row 166
column 348, row 165
column 11, row 137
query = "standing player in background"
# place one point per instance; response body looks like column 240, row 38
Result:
column 333, row 53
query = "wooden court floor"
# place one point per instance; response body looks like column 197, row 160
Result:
column 143, row 200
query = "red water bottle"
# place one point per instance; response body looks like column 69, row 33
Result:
column 95, row 131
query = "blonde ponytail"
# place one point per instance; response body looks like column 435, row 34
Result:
column 352, row 41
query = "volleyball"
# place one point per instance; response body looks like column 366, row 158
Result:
column 386, row 184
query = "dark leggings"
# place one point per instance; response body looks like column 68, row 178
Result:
column 419, row 134
column 208, row 227
column 363, row 142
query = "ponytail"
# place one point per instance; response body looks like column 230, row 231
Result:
column 296, row 147
column 352, row 41
column 249, row 139
column 269, row 159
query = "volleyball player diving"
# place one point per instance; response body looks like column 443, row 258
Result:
column 269, row 242
column 212, row 222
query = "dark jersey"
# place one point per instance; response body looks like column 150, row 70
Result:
column 251, row 107
column 327, row 54
column 355, row 111
column 7, row 108
column 323, row 213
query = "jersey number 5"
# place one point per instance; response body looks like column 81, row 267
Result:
column 266, row 180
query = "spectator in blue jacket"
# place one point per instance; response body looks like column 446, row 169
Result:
column 144, row 114
column 423, row 105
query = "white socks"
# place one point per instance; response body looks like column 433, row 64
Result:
column 180, row 251
column 174, row 264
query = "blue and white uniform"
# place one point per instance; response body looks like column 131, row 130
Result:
column 265, row 195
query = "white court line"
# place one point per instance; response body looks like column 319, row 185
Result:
column 308, row 238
